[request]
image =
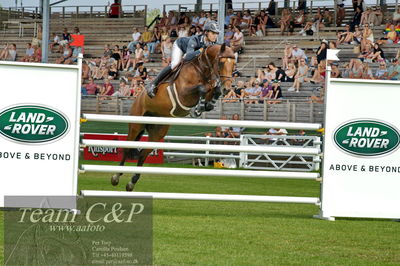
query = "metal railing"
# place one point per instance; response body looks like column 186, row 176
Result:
column 264, row 110
column 65, row 12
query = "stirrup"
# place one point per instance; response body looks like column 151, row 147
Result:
column 151, row 91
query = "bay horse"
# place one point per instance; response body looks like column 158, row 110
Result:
column 196, row 80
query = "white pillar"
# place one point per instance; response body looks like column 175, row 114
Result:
column 221, row 20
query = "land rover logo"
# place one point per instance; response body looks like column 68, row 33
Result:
column 367, row 138
column 32, row 124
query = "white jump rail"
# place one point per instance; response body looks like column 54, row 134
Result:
column 195, row 196
column 199, row 122
column 201, row 147
column 197, row 172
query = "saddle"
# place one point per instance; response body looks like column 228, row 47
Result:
column 175, row 73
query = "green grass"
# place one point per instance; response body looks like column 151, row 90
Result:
column 235, row 233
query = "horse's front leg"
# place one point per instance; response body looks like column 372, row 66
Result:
column 217, row 92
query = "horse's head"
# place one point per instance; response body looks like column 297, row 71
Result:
column 226, row 65
column 222, row 58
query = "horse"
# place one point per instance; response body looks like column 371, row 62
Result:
column 195, row 80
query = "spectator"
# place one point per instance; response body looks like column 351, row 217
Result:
column 367, row 72
column 298, row 54
column 135, row 57
column 300, row 76
column 285, row 20
column 229, row 35
column 107, row 89
column 298, row 22
column 280, row 75
column 356, row 69
column 266, row 90
column 321, row 52
column 396, row 15
column 164, row 35
column 125, row 56
column 192, row 31
column 240, row 89
column 115, row 10
column 37, row 56
column 155, row 40
column 228, row 17
column 335, row 72
column 91, row 87
column 237, row 40
column 276, row 132
column 237, row 19
column 199, row 30
column 85, row 70
column 202, row 20
column 77, row 31
column 136, row 37
column 356, row 18
column 146, row 36
column 117, row 56
column 182, row 32
column 56, row 41
column 123, row 90
column 253, row 92
column 268, row 73
column 29, row 52
column 380, row 72
column 345, row 37
column 246, row 20
column 393, row 72
column 234, row 132
column 137, row 87
column 390, row 38
column 290, row 73
column 368, row 36
column 222, row 132
column 183, row 20
column 195, row 20
column 357, row 36
column 327, row 18
column 166, row 49
column 67, row 53
column 74, row 57
column 113, row 71
column 340, row 13
column 365, row 16
column 230, row 96
column 163, row 20
column 146, row 54
column 319, row 73
column 141, row 72
column 172, row 21
column 66, row 38
column 287, row 55
column 378, row 54
column 375, row 17
column 271, row 8
column 276, row 90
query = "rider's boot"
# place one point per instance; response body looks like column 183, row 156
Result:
column 152, row 88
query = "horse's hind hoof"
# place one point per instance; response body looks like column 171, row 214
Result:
column 130, row 186
column 115, row 179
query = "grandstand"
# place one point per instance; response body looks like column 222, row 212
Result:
column 21, row 26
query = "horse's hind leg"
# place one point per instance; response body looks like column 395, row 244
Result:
column 135, row 133
column 156, row 133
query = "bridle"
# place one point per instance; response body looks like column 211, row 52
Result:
column 215, row 75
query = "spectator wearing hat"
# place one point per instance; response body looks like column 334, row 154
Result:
column 298, row 54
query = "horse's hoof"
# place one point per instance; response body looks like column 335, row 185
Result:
column 130, row 186
column 115, row 179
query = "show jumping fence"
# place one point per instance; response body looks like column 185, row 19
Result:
column 199, row 147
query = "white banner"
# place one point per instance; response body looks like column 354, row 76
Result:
column 361, row 176
column 39, row 129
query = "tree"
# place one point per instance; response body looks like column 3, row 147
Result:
column 151, row 14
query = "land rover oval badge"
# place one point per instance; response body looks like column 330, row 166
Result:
column 367, row 138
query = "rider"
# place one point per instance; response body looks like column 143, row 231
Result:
column 190, row 47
